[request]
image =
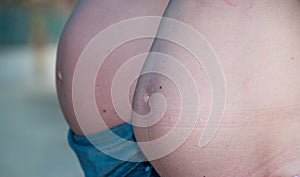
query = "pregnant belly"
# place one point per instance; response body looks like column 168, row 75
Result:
column 259, row 134
column 88, row 20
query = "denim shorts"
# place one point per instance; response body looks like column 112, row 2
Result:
column 95, row 163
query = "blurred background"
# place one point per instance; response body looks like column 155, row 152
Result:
column 32, row 128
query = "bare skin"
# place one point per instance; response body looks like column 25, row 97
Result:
column 88, row 19
column 258, row 44
column 260, row 130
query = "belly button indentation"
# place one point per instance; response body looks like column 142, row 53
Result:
column 146, row 98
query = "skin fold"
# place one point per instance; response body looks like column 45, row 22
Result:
column 258, row 45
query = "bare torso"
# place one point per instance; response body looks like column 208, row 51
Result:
column 87, row 20
column 258, row 44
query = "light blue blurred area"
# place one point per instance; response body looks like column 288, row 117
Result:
column 32, row 128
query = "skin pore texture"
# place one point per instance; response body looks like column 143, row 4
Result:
column 87, row 20
column 258, row 45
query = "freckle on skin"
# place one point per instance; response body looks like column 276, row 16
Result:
column 160, row 87
column 104, row 110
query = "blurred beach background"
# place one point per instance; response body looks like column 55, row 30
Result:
column 32, row 128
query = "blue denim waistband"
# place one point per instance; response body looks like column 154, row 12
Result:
column 95, row 163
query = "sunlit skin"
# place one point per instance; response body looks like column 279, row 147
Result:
column 87, row 20
column 258, row 44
